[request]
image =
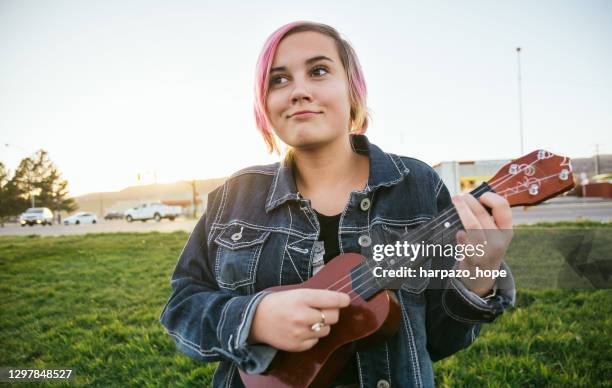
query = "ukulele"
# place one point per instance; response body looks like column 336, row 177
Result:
column 374, row 314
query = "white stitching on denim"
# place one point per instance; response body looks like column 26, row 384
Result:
column 282, row 199
column 340, row 228
column 277, row 173
column 298, row 249
column 218, row 215
column 406, row 169
column 469, row 300
column 379, row 220
column 297, row 233
column 230, row 375
column 388, row 363
column 294, row 266
column 455, row 317
column 250, row 279
column 191, row 345
column 438, row 188
column 254, row 265
column 394, row 163
column 217, row 261
column 222, row 318
column 303, row 209
column 246, row 313
column 310, row 257
column 223, row 199
column 280, row 277
column 240, row 245
column 359, row 368
column 413, row 349
column 244, row 172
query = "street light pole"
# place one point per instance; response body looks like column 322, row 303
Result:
column 520, row 99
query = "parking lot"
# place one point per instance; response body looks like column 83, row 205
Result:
column 560, row 209
column 100, row 227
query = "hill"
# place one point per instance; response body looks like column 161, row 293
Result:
column 103, row 202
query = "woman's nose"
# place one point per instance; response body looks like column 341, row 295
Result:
column 300, row 91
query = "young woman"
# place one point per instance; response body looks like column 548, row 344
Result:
column 279, row 224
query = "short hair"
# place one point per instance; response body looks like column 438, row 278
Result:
column 354, row 74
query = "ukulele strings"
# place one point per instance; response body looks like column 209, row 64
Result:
column 493, row 185
column 454, row 223
column 496, row 182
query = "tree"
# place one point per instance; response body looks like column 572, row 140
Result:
column 12, row 200
column 38, row 181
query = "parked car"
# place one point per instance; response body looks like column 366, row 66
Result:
column 81, row 218
column 152, row 211
column 113, row 215
column 36, row 216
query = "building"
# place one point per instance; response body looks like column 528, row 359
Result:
column 464, row 176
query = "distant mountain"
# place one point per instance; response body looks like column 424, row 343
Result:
column 101, row 203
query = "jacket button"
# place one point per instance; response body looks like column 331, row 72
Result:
column 237, row 236
column 365, row 204
column 382, row 384
column 364, row 241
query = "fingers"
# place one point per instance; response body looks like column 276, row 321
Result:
column 483, row 216
column 468, row 219
column 501, row 209
column 474, row 216
column 331, row 316
column 323, row 299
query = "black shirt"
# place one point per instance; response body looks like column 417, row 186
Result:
column 329, row 236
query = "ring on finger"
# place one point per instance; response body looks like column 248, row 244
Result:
column 317, row 327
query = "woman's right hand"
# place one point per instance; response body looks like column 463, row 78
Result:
column 284, row 319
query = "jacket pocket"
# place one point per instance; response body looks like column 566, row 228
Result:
column 238, row 251
column 413, row 285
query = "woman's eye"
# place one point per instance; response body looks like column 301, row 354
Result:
column 319, row 70
column 278, row 80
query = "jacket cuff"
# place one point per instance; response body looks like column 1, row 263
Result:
column 465, row 306
column 233, row 332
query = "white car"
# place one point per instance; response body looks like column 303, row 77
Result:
column 81, row 218
column 36, row 216
column 152, row 211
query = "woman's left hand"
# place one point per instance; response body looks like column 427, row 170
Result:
column 493, row 231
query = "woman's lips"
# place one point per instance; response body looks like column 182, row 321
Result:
column 304, row 115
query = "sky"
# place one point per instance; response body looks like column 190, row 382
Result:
column 164, row 89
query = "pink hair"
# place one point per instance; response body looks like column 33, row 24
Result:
column 356, row 80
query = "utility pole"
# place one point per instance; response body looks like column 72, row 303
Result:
column 520, row 98
column 194, row 195
column 101, row 205
column 596, row 159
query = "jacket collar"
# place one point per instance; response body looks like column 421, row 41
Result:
column 385, row 170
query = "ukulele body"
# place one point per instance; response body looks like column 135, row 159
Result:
column 371, row 322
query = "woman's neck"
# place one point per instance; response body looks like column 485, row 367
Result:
column 334, row 168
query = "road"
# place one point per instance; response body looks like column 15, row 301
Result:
column 561, row 209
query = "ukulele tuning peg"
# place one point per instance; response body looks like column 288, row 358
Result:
column 543, row 154
column 513, row 169
column 534, row 189
column 564, row 174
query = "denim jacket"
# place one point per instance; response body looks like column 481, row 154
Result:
column 258, row 232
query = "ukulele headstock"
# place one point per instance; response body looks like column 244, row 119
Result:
column 533, row 178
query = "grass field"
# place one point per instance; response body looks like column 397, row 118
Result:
column 92, row 303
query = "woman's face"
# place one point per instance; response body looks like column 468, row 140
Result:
column 307, row 76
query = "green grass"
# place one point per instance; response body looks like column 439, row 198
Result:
column 92, row 303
